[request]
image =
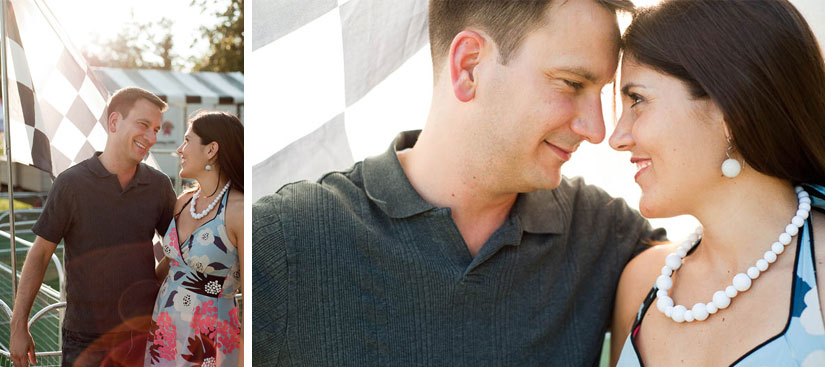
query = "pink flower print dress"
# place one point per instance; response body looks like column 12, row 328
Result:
column 195, row 322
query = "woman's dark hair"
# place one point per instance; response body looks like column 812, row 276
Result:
column 227, row 130
column 759, row 61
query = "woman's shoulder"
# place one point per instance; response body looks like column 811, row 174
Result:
column 649, row 263
column 635, row 283
column 640, row 274
column 234, row 202
column 234, row 208
column 183, row 198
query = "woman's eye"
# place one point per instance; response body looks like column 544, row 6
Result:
column 635, row 98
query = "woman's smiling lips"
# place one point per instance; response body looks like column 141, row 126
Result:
column 641, row 165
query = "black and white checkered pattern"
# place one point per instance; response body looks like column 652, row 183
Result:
column 57, row 107
column 320, row 66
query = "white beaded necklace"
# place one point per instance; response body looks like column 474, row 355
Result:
column 741, row 282
column 211, row 205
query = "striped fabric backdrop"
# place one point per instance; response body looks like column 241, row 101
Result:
column 334, row 81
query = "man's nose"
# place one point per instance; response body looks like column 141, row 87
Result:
column 590, row 122
column 151, row 136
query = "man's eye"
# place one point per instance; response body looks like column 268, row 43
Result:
column 575, row 85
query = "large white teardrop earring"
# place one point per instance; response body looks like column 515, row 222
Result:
column 731, row 167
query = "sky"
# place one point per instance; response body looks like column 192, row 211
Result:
column 87, row 20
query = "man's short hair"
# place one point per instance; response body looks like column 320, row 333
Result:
column 506, row 21
column 124, row 99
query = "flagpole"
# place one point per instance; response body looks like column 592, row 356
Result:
column 7, row 123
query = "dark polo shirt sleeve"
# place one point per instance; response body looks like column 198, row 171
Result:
column 55, row 220
column 358, row 270
column 269, row 280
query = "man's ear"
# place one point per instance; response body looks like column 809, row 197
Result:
column 465, row 55
column 111, row 123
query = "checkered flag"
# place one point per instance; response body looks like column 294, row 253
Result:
column 338, row 79
column 57, row 108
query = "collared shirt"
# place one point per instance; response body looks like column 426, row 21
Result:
column 359, row 270
column 108, row 231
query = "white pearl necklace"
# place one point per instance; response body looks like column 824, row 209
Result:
column 211, row 205
column 741, row 282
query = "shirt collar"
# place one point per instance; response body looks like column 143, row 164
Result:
column 94, row 165
column 544, row 211
column 386, row 184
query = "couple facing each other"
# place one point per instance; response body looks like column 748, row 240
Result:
column 464, row 245
column 107, row 209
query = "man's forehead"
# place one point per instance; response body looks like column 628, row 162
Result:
column 144, row 107
column 580, row 37
column 573, row 17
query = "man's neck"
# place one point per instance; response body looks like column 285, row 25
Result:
column 124, row 171
column 443, row 179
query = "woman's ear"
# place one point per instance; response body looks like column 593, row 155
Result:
column 212, row 150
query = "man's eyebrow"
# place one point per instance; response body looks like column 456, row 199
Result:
column 144, row 120
column 582, row 72
column 626, row 88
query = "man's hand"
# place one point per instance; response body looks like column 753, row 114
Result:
column 22, row 347
column 21, row 343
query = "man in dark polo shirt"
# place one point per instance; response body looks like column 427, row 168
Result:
column 462, row 244
column 106, row 209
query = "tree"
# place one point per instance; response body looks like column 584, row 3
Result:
column 225, row 39
column 143, row 46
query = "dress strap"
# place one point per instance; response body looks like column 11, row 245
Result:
column 183, row 207
column 649, row 299
column 222, row 208
column 805, row 282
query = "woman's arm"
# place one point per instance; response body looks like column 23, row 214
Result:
column 234, row 227
column 162, row 268
column 636, row 281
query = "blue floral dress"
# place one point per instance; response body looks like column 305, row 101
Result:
column 195, row 322
column 802, row 342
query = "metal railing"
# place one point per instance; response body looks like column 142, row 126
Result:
column 61, row 277
column 5, row 354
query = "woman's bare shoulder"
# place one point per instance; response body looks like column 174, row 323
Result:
column 636, row 281
column 183, row 198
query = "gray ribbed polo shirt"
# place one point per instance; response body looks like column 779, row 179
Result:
column 358, row 270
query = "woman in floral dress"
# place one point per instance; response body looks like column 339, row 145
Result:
column 196, row 319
